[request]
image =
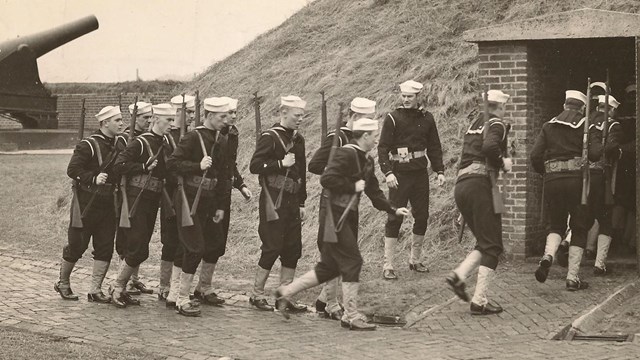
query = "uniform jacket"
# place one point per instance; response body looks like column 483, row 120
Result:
column 479, row 147
column 321, row 157
column 123, row 138
column 414, row 129
column 83, row 166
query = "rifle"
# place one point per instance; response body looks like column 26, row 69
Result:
column 103, row 166
column 146, row 182
column 496, row 195
column 330, row 231
column 82, row 115
column 606, row 165
column 256, row 108
column 124, row 209
column 76, row 214
column 585, row 148
column 197, row 105
column 196, row 200
column 185, row 217
column 323, row 116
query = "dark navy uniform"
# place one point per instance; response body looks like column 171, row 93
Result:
column 171, row 250
column 406, row 134
column 133, row 163
column 473, row 188
column 185, row 161
column 350, row 164
column 280, row 238
column 99, row 223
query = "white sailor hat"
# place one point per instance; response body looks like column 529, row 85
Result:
column 216, row 104
column 108, row 112
column 233, row 103
column 576, row 95
column 143, row 108
column 364, row 124
column 292, row 101
column 164, row 110
column 363, row 106
column 612, row 101
column 630, row 88
column 190, row 101
column 497, row 96
column 411, row 87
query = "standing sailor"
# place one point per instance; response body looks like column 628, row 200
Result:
column 349, row 174
column 327, row 302
column 406, row 133
column 279, row 160
column 91, row 169
column 482, row 151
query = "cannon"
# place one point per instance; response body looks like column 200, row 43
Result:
column 22, row 94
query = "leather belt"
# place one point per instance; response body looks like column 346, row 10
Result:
column 101, row 190
column 598, row 165
column 194, row 182
column 280, row 181
column 475, row 168
column 553, row 166
column 154, row 184
column 409, row 156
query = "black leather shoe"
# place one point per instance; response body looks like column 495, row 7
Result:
column 419, row 267
column 320, row 306
column 211, row 299
column 282, row 304
column 118, row 299
column 141, row 287
column 487, row 309
column 389, row 275
column 261, row 304
column 99, row 298
column 66, row 293
column 294, row 307
column 129, row 300
column 575, row 285
column 131, row 289
column 543, row 268
column 170, row 305
column 357, row 325
column 458, row 286
column 562, row 256
column 600, row 271
column 335, row 315
column 162, row 295
column 191, row 309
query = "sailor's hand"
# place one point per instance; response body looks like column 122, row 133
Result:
column 441, row 179
column 507, row 164
column 219, row 216
column 289, row 160
column 101, row 179
column 246, row 193
column 206, row 163
column 392, row 182
column 360, row 184
column 402, row 212
column 152, row 165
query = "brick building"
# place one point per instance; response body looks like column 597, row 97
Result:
column 535, row 61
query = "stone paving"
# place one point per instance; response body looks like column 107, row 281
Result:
column 441, row 327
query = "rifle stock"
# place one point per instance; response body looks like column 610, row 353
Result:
column 124, row 209
column 76, row 218
column 167, row 204
column 496, row 195
column 585, row 149
column 330, row 231
column 256, row 109
column 83, row 112
column 270, row 209
column 185, row 212
column 196, row 199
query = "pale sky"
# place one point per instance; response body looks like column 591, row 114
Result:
column 159, row 37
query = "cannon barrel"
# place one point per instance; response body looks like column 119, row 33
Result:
column 45, row 41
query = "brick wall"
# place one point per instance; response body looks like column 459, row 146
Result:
column 506, row 66
column 70, row 105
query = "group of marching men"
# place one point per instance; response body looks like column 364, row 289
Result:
column 190, row 176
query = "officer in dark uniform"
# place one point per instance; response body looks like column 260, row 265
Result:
column 327, row 302
column 200, row 159
column 599, row 209
column 143, row 164
column 215, row 249
column 406, row 133
column 483, row 149
column 350, row 173
column 279, row 160
column 557, row 154
column 91, row 169
column 141, row 124
column 172, row 252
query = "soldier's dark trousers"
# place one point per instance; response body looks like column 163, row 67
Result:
column 413, row 187
column 217, row 247
column 474, row 200
column 598, row 210
column 99, row 226
column 139, row 235
column 193, row 239
column 168, row 232
column 562, row 198
column 121, row 242
column 280, row 238
column 342, row 258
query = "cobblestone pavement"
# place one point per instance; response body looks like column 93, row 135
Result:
column 443, row 329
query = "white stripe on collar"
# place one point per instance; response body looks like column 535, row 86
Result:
column 575, row 126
